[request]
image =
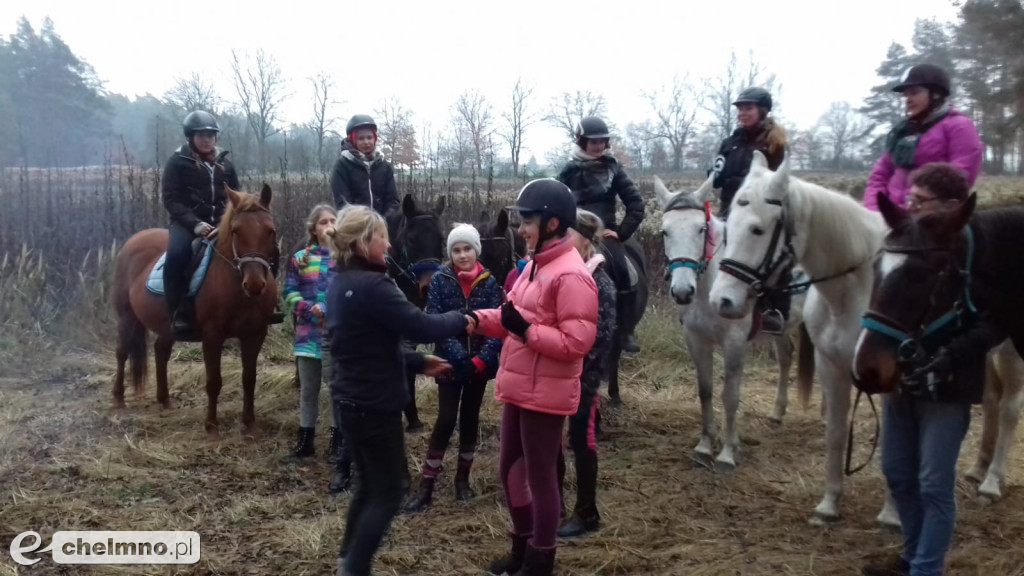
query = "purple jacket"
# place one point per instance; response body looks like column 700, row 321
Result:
column 953, row 139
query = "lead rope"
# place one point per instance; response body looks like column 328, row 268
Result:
column 849, row 437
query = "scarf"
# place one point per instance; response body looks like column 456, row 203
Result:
column 902, row 140
column 599, row 166
column 594, row 261
column 349, row 151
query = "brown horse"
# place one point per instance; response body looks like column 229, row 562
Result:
column 236, row 300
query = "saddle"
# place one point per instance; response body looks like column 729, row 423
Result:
column 202, row 250
column 633, row 256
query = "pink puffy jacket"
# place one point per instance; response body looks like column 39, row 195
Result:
column 557, row 295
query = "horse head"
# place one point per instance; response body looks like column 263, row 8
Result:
column 498, row 248
column 417, row 246
column 758, row 253
column 248, row 238
column 921, row 292
column 690, row 234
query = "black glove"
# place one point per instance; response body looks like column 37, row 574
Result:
column 513, row 321
column 472, row 314
column 924, row 382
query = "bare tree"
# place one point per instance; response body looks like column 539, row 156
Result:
column 457, row 147
column 518, row 118
column 842, row 128
column 805, row 148
column 475, row 112
column 568, row 109
column 675, row 109
column 323, row 121
column 720, row 92
column 637, row 144
column 397, row 133
column 260, row 88
column 192, row 93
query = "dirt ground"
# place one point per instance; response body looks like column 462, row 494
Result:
column 68, row 462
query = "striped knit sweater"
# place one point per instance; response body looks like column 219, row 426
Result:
column 305, row 287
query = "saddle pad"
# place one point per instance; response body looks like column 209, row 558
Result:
column 155, row 282
column 634, row 278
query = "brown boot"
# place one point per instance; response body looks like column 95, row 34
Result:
column 891, row 567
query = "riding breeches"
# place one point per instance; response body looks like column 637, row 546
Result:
column 177, row 264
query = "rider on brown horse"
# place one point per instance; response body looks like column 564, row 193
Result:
column 193, row 193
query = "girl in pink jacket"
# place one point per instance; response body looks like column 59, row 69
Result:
column 549, row 323
column 933, row 131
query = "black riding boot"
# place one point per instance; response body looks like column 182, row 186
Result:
column 334, row 445
column 511, row 563
column 626, row 308
column 538, row 562
column 585, row 517
column 423, row 497
column 303, row 447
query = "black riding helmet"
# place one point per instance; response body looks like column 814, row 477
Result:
column 756, row 96
column 550, row 198
column 929, row 76
column 360, row 121
column 591, row 128
column 198, row 121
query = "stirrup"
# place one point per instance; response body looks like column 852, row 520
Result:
column 773, row 322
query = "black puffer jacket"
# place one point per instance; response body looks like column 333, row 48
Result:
column 356, row 181
column 737, row 152
column 367, row 319
column 597, row 192
column 595, row 363
column 193, row 191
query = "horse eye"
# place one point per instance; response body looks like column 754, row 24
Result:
column 742, row 202
column 757, row 230
column 664, row 232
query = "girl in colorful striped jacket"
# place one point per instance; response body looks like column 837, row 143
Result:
column 310, row 271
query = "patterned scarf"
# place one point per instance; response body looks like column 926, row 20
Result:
column 902, row 140
column 598, row 166
column 350, row 152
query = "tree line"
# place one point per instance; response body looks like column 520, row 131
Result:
column 55, row 112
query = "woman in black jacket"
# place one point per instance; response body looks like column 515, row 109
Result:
column 367, row 319
column 597, row 179
column 361, row 174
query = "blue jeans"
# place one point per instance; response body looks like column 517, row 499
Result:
column 920, row 446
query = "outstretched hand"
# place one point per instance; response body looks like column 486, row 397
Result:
column 513, row 321
column 435, row 366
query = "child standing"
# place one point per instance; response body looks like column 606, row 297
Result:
column 310, row 271
column 464, row 285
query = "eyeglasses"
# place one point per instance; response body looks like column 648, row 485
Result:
column 916, row 203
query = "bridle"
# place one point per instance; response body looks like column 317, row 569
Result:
column 238, row 262
column 402, row 266
column 710, row 245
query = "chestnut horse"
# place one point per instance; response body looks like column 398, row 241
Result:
column 236, row 300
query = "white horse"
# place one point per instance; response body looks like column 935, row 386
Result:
column 1001, row 407
column 776, row 221
column 692, row 240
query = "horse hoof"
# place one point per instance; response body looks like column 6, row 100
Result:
column 704, row 460
column 890, row 522
column 118, row 405
column 775, row 420
column 723, row 467
column 990, row 492
column 414, row 427
column 822, row 519
column 213, row 435
column 615, row 401
column 167, row 405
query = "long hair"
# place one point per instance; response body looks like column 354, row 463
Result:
column 356, row 226
column 590, row 226
column 774, row 136
column 311, row 222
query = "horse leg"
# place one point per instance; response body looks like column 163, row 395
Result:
column 990, row 419
column 162, row 351
column 212, row 350
column 412, row 415
column 1011, row 369
column 784, row 351
column 250, row 350
column 836, row 386
column 614, row 356
column 702, row 354
column 734, row 351
column 131, row 348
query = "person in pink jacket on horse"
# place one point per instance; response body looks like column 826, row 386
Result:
column 933, row 131
column 549, row 323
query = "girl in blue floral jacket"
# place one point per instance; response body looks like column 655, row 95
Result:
column 463, row 284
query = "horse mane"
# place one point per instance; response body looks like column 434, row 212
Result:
column 246, row 203
column 848, row 233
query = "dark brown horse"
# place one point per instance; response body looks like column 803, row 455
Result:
column 236, row 300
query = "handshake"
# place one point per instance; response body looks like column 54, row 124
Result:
column 511, row 320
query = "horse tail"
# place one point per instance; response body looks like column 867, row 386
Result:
column 805, row 367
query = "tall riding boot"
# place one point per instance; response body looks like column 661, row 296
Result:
column 511, row 563
column 334, row 445
column 585, row 517
column 538, row 562
column 463, row 491
column 626, row 306
column 303, row 447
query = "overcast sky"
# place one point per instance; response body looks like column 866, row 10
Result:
column 427, row 52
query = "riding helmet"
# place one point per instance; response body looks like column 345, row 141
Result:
column 198, row 121
column 549, row 197
column 757, row 96
column 928, row 75
column 360, row 121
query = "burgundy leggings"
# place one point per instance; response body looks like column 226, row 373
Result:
column 530, row 444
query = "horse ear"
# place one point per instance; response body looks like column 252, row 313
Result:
column 962, row 215
column 233, row 196
column 664, row 196
column 502, row 223
column 703, row 194
column 439, row 208
column 408, row 206
column 758, row 161
column 266, row 195
column 780, row 178
column 894, row 215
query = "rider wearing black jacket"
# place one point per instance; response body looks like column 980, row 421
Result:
column 596, row 179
